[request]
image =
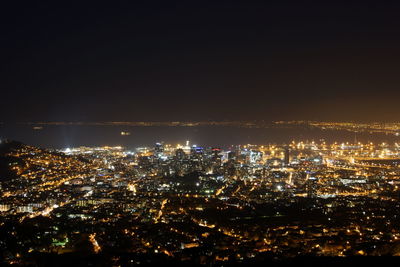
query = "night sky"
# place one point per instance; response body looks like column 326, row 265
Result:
column 217, row 60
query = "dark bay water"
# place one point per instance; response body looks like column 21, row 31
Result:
column 78, row 135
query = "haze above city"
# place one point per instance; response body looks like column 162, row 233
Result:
column 200, row 61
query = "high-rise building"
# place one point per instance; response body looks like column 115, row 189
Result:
column 286, row 159
column 159, row 148
column 180, row 154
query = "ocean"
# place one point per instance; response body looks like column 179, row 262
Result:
column 63, row 136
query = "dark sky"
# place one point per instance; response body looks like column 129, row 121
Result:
column 217, row 60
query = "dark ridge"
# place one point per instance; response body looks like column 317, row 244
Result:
column 5, row 161
column 7, row 146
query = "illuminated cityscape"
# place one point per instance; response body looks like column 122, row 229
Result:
column 201, row 204
column 199, row 133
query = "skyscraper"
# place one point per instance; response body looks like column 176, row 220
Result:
column 286, row 157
